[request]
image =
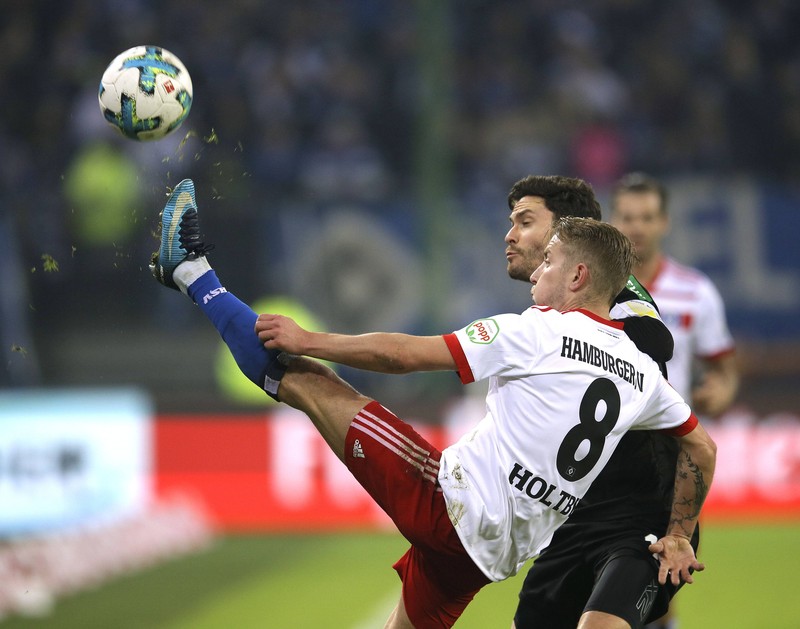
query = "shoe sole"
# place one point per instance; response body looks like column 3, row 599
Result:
column 181, row 198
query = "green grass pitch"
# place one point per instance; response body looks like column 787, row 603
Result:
column 345, row 581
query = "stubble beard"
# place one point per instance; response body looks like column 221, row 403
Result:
column 519, row 273
column 525, row 265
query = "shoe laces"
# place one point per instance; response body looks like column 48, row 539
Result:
column 200, row 249
column 189, row 235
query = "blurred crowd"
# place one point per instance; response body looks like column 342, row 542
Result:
column 323, row 94
column 323, row 101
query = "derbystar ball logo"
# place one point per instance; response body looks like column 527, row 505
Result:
column 483, row 331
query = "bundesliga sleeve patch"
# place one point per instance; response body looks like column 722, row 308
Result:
column 634, row 308
column 482, row 331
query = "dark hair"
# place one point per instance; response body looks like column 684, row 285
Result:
column 607, row 252
column 563, row 196
column 641, row 183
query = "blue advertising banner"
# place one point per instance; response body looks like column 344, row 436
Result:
column 69, row 458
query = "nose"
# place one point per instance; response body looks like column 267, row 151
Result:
column 510, row 235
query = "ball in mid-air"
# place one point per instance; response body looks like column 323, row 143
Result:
column 146, row 92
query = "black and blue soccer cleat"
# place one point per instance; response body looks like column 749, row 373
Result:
column 180, row 234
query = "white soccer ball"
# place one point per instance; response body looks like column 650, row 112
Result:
column 146, row 93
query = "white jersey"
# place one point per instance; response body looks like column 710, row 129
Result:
column 563, row 389
column 692, row 309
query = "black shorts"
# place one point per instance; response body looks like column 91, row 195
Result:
column 611, row 573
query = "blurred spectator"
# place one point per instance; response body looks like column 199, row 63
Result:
column 344, row 166
column 707, row 85
column 703, row 367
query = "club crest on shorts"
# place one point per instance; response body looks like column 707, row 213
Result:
column 483, row 331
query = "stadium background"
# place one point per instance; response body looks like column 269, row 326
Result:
column 352, row 160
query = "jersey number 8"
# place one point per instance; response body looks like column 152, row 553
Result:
column 589, row 429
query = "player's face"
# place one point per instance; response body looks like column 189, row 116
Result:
column 638, row 215
column 551, row 277
column 531, row 222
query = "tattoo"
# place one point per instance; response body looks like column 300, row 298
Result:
column 686, row 507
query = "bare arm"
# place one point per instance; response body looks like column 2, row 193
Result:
column 379, row 351
column 693, row 475
column 714, row 395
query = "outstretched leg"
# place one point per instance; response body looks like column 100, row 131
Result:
column 180, row 263
column 330, row 402
column 392, row 462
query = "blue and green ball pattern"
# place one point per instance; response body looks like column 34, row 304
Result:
column 150, row 62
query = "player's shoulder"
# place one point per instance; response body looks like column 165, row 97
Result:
column 540, row 318
column 678, row 272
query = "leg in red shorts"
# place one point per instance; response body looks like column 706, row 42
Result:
column 399, row 470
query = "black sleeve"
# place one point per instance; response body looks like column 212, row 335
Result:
column 634, row 290
column 652, row 337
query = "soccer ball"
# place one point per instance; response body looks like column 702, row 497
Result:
column 146, row 93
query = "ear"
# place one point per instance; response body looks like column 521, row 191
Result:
column 579, row 279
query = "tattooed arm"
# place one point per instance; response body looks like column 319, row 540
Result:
column 693, row 475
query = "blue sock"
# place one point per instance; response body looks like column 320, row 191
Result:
column 235, row 321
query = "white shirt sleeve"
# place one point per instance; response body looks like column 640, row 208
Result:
column 506, row 344
column 712, row 335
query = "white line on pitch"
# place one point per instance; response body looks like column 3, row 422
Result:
column 380, row 612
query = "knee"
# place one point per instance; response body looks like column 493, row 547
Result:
column 602, row 620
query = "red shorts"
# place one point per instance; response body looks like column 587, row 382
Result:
column 399, row 470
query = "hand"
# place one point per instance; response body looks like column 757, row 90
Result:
column 712, row 396
column 280, row 332
column 677, row 559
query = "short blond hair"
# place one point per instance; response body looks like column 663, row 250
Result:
column 605, row 250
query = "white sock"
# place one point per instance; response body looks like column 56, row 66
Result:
column 186, row 273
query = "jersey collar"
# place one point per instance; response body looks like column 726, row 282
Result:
column 609, row 322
